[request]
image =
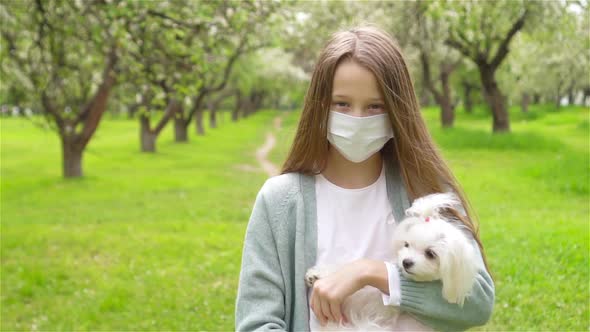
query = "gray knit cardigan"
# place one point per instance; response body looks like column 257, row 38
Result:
column 280, row 246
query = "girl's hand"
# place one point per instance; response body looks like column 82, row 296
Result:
column 329, row 293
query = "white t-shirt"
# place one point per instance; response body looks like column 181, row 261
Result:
column 354, row 224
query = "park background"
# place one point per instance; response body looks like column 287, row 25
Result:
column 135, row 136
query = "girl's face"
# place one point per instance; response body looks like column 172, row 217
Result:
column 355, row 91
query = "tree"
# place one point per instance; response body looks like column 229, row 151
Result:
column 469, row 86
column 266, row 75
column 482, row 32
column 65, row 56
column 428, row 39
column 551, row 60
column 239, row 25
column 214, row 102
column 161, row 50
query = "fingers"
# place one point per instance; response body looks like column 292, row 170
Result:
column 335, row 310
column 325, row 307
column 315, row 304
column 345, row 319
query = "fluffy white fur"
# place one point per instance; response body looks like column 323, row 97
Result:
column 427, row 247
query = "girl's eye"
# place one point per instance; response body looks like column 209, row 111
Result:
column 340, row 104
column 376, row 108
column 430, row 254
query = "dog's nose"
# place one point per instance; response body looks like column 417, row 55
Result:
column 407, row 263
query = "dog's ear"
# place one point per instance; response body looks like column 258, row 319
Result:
column 457, row 269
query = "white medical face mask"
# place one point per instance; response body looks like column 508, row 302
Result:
column 358, row 138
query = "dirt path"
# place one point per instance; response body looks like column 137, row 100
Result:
column 263, row 151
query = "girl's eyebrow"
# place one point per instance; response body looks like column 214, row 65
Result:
column 345, row 97
column 339, row 96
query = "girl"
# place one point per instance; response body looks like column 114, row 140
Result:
column 361, row 154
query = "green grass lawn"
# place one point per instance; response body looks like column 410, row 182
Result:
column 144, row 241
column 153, row 241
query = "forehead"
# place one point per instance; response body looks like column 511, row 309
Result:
column 355, row 81
column 425, row 234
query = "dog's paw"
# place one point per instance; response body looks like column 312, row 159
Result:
column 311, row 276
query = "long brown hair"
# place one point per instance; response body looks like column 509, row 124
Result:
column 422, row 167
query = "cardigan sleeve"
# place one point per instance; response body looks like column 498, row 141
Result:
column 425, row 302
column 393, row 280
column 260, row 298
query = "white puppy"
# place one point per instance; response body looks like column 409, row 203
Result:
column 427, row 248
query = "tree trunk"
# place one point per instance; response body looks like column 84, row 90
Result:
column 586, row 96
column 132, row 110
column 486, row 99
column 447, row 114
column 212, row 116
column 442, row 98
column 213, row 106
column 536, row 98
column 558, row 94
column 424, row 98
column 245, row 107
column 235, row 114
column 180, row 132
column 74, row 142
column 200, row 130
column 570, row 95
column 148, row 138
column 524, row 106
column 467, row 99
column 495, row 99
column 72, row 158
column 257, row 99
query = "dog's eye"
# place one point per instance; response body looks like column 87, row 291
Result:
column 406, row 244
column 430, row 254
